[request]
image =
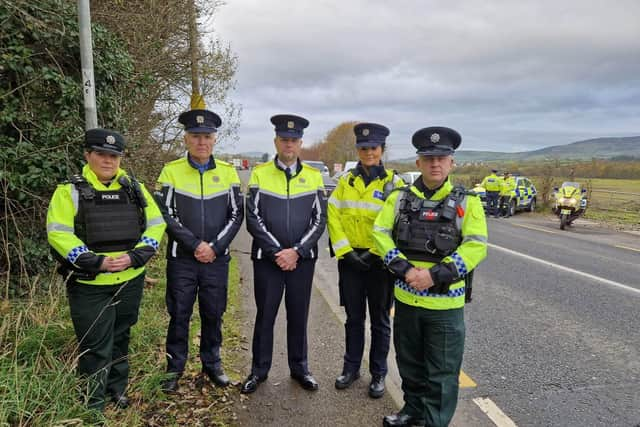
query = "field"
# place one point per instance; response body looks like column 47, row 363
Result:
column 614, row 201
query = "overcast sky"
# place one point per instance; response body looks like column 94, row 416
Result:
column 508, row 75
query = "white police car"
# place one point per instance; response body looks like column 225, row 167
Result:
column 524, row 196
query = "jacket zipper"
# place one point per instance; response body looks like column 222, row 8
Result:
column 202, row 205
column 288, row 212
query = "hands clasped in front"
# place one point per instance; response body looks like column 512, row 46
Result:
column 287, row 259
column 205, row 253
column 113, row 265
column 419, row 278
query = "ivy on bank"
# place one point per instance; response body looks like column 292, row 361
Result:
column 41, row 119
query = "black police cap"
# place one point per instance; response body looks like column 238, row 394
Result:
column 436, row 141
column 370, row 134
column 200, row 121
column 289, row 125
column 105, row 140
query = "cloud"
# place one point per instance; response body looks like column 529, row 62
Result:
column 509, row 76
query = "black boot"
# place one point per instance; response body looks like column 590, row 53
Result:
column 402, row 420
column 346, row 379
column 376, row 388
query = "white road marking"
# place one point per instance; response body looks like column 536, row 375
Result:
column 493, row 412
column 536, row 228
column 627, row 247
column 567, row 269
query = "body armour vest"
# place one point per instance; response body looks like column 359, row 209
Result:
column 426, row 230
column 109, row 221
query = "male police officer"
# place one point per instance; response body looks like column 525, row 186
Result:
column 201, row 201
column 432, row 235
column 492, row 184
column 508, row 185
column 104, row 226
column 286, row 215
column 364, row 281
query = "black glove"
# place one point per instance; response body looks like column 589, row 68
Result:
column 443, row 275
column 355, row 261
column 369, row 258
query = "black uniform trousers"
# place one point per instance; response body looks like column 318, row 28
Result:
column 186, row 279
column 358, row 290
column 504, row 206
column 102, row 317
column 270, row 282
column 429, row 347
column 493, row 206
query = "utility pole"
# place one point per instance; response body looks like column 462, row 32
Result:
column 86, row 61
column 197, row 101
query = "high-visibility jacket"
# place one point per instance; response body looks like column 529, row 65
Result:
column 62, row 237
column 205, row 206
column 353, row 207
column 508, row 186
column 492, row 182
column 471, row 251
column 285, row 212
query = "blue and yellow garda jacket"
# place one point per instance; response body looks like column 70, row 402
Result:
column 199, row 205
column 285, row 212
column 450, row 270
column 353, row 207
column 64, row 237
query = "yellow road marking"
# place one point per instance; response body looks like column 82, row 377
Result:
column 536, row 228
column 466, row 381
column 627, row 247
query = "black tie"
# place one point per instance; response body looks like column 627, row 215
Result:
column 287, row 172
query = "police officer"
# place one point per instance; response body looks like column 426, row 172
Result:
column 202, row 204
column 432, row 236
column 364, row 281
column 286, row 215
column 103, row 227
column 492, row 184
column 508, row 184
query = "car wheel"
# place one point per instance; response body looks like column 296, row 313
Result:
column 532, row 205
column 512, row 208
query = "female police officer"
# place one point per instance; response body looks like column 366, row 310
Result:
column 432, row 236
column 353, row 206
column 103, row 227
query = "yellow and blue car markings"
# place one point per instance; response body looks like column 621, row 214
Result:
column 522, row 194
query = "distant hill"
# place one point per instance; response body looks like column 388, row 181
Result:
column 602, row 148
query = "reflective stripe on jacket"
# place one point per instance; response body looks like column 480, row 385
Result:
column 284, row 213
column 353, row 207
column 199, row 207
column 466, row 257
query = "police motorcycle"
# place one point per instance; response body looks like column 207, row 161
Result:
column 570, row 203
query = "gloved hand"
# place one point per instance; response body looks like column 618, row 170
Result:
column 368, row 258
column 355, row 261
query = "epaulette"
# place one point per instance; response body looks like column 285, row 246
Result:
column 84, row 188
column 176, row 161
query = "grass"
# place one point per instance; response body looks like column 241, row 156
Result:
column 38, row 357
